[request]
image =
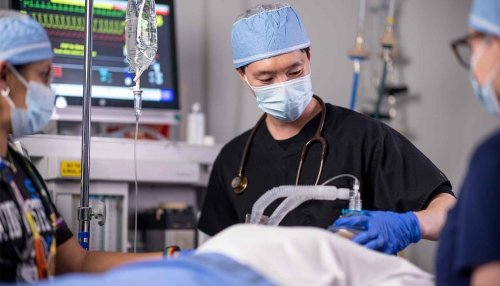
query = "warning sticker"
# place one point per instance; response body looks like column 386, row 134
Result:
column 71, row 169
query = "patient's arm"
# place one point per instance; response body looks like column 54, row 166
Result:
column 72, row 258
column 488, row 274
column 433, row 218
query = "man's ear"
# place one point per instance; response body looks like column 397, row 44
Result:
column 3, row 75
column 496, row 40
column 241, row 74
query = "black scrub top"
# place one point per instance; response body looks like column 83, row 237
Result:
column 17, row 252
column 393, row 173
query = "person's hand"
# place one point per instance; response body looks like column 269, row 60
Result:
column 384, row 231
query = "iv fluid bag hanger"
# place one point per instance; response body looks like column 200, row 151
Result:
column 141, row 41
column 295, row 196
column 141, row 35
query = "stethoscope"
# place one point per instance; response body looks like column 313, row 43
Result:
column 240, row 182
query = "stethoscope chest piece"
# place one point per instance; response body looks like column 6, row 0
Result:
column 239, row 184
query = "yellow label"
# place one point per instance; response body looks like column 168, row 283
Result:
column 71, row 169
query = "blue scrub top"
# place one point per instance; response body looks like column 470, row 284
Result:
column 471, row 236
column 197, row 269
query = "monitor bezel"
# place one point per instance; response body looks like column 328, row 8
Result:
column 116, row 110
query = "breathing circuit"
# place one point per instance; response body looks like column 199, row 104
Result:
column 141, row 44
column 295, row 195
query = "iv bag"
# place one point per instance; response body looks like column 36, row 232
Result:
column 140, row 35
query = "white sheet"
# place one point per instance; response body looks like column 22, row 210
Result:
column 312, row 256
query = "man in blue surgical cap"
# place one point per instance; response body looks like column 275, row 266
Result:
column 469, row 253
column 404, row 192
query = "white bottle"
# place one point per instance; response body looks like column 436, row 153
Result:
column 195, row 125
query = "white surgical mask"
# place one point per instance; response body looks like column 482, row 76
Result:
column 485, row 93
column 40, row 103
column 285, row 101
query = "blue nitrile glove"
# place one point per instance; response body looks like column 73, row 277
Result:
column 385, row 231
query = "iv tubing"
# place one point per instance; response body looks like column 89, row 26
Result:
column 392, row 8
column 387, row 45
column 355, row 80
column 358, row 54
column 361, row 15
column 381, row 86
column 137, row 107
column 356, row 181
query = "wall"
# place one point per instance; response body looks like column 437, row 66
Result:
column 441, row 116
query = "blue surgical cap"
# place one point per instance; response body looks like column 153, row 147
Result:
column 22, row 39
column 485, row 16
column 266, row 31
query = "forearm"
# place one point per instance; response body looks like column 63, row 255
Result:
column 487, row 274
column 72, row 258
column 96, row 261
column 433, row 218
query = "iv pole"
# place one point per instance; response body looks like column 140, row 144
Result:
column 84, row 211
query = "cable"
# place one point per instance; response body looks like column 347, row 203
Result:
column 356, row 181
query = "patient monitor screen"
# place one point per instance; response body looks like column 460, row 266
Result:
column 64, row 21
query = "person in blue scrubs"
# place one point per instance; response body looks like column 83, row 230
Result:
column 469, row 252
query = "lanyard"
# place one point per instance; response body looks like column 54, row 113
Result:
column 45, row 268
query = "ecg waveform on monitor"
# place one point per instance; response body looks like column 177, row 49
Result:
column 77, row 23
column 60, row 6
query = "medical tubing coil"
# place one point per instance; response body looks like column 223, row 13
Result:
column 291, row 203
column 290, row 191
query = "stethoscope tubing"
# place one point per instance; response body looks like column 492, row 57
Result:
column 240, row 182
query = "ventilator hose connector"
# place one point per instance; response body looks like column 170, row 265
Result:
column 295, row 195
column 354, row 195
column 355, row 198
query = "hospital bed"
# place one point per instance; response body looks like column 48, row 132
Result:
column 265, row 255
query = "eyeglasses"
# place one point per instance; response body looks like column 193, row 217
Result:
column 462, row 49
